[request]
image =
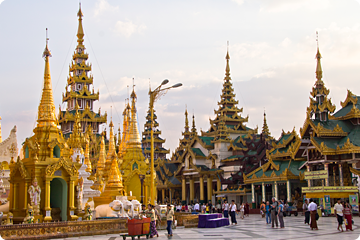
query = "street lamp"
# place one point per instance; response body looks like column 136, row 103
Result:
column 155, row 95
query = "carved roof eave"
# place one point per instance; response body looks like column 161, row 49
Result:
column 346, row 149
column 327, row 105
column 71, row 117
column 76, row 79
column 353, row 113
column 350, row 98
column 82, row 55
column 249, row 131
column 284, row 176
column 239, row 190
column 68, row 165
column 19, row 165
column 291, row 151
column 81, row 94
column 323, row 91
column 321, row 131
column 81, row 66
column 287, row 141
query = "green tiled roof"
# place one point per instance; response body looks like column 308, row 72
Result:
column 198, row 152
column 331, row 124
column 345, row 110
column 234, row 156
column 334, row 142
column 294, row 168
column 207, row 140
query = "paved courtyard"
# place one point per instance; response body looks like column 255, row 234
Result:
column 254, row 227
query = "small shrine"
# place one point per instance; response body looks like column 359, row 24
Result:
column 46, row 177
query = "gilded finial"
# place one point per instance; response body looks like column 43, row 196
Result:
column 318, row 64
column 265, row 129
column 186, row 121
column 47, row 52
column 193, row 129
column 227, row 69
column 80, row 33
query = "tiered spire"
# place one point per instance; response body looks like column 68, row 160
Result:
column 114, row 185
column 126, row 127
column 134, row 136
column 228, row 108
column 87, row 161
column 193, row 129
column 320, row 105
column 111, row 152
column 46, row 112
column 78, row 89
column 221, row 134
column 76, row 138
column 265, row 129
column 186, row 134
column 101, row 162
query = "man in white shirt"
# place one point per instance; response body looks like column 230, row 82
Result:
column 313, row 210
column 225, row 207
column 197, row 207
column 339, row 212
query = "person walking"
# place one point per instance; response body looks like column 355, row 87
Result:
column 281, row 214
column 274, row 209
column 267, row 212
column 306, row 212
column 247, row 209
column 207, row 208
column 152, row 214
column 262, row 210
column 313, row 211
column 225, row 207
column 203, row 208
column 339, row 213
column 233, row 212
column 242, row 210
column 210, row 206
column 197, row 207
column 348, row 216
column 169, row 218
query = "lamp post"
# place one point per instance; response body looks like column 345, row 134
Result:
column 142, row 177
column 155, row 95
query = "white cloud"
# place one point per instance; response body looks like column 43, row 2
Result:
column 127, row 28
column 285, row 43
column 239, row 2
column 1, row 1
column 103, row 6
column 293, row 5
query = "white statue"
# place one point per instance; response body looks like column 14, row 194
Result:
column 34, row 192
column 80, row 191
column 114, row 209
column 137, row 207
column 128, row 208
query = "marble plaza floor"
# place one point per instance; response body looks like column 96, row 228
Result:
column 254, row 227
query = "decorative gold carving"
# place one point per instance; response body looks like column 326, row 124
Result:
column 67, row 165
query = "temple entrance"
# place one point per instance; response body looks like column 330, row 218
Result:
column 58, row 198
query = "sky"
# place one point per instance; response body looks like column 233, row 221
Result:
column 272, row 47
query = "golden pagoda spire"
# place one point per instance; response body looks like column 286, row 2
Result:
column 193, row 129
column 101, row 162
column 111, row 141
column 227, row 69
column 265, row 129
column 318, row 64
column 87, row 155
column 80, row 32
column 114, row 184
column 186, row 121
column 46, row 112
column 119, row 136
column 134, row 136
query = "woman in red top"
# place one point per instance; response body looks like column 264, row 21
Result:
column 348, row 216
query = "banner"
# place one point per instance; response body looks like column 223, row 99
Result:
column 353, row 200
column 322, row 174
column 327, row 204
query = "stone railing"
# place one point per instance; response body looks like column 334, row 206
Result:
column 63, row 229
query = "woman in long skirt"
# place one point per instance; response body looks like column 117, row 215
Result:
column 348, row 216
column 152, row 214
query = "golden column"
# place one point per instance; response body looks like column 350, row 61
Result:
column 209, row 187
column 25, row 195
column 163, row 195
column 47, row 217
column 11, row 204
column 183, row 188
column 341, row 175
column 192, row 192
column 218, row 184
column 154, row 95
column 326, row 168
column 201, row 180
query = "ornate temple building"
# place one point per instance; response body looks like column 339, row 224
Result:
column 214, row 162
column 8, row 153
column 80, row 91
column 326, row 151
column 331, row 142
